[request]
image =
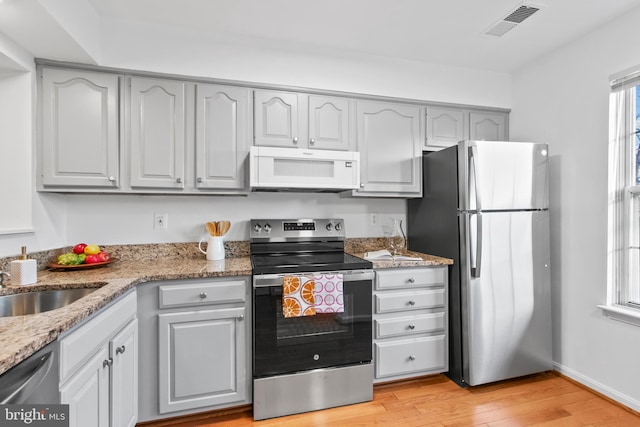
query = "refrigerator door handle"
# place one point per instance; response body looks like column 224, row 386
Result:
column 476, row 250
column 473, row 178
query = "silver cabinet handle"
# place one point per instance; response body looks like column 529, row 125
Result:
column 199, row 180
column 240, row 317
column 179, row 180
column 203, row 295
column 412, row 302
column 120, row 349
column 112, row 179
column 361, row 185
column 412, row 327
column 295, row 139
column 107, row 362
column 312, row 141
column 411, row 280
column 412, row 357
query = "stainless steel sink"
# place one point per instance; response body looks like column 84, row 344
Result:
column 40, row 301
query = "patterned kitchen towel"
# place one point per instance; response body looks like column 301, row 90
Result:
column 328, row 293
column 297, row 296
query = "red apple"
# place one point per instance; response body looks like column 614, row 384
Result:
column 79, row 248
column 92, row 259
column 104, row 257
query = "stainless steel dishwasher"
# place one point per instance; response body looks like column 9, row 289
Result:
column 34, row 380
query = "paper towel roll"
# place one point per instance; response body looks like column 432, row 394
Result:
column 24, row 272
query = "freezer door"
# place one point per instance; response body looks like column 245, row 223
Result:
column 505, row 295
column 499, row 175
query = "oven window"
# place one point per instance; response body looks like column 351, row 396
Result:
column 319, row 327
column 286, row 345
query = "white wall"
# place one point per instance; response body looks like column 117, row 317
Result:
column 26, row 218
column 563, row 99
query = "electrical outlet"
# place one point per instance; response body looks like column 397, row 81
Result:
column 160, row 221
column 374, row 218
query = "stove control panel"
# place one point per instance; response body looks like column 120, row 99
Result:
column 296, row 229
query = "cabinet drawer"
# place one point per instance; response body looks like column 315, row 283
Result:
column 410, row 277
column 78, row 347
column 202, row 293
column 406, row 325
column 406, row 356
column 409, row 300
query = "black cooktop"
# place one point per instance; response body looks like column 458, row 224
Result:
column 282, row 263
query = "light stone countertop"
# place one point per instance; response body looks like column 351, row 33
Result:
column 21, row 336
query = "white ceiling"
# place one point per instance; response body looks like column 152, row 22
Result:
column 447, row 32
column 436, row 31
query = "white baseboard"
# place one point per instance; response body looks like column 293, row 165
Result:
column 599, row 387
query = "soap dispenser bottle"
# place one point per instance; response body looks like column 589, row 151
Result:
column 24, row 271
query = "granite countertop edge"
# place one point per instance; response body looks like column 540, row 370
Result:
column 21, row 336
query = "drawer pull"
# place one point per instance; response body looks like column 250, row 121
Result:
column 412, row 358
column 411, row 280
column 412, row 302
column 120, row 349
column 107, row 362
column 203, row 295
column 240, row 317
column 412, row 327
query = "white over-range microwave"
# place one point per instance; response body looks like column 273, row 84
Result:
column 275, row 168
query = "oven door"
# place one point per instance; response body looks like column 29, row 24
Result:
column 286, row 345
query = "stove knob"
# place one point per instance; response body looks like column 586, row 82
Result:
column 257, row 228
column 267, row 227
column 329, row 227
column 339, row 226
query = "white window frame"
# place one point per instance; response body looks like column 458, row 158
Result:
column 623, row 251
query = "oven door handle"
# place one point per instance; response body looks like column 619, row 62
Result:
column 267, row 280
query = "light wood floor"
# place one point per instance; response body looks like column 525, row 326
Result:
column 546, row 399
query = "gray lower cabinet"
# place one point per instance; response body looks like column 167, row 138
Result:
column 99, row 368
column 410, row 322
column 389, row 137
column 195, row 342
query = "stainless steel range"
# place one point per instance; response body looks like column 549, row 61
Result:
column 312, row 318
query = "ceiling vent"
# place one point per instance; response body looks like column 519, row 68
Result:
column 510, row 21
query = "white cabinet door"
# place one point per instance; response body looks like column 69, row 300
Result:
column 123, row 349
column 329, row 122
column 87, row 393
column 276, row 121
column 445, row 127
column 79, row 129
column 202, row 357
column 487, row 126
column 389, row 141
column 157, row 133
column 222, row 136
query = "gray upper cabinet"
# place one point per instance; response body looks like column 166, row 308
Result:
column 329, row 122
column 276, row 121
column 445, row 127
column 487, row 126
column 389, row 141
column 222, row 136
column 297, row 120
column 79, row 138
column 156, row 132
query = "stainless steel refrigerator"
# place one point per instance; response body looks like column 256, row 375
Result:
column 485, row 205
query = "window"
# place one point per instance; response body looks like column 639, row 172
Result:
column 624, row 199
